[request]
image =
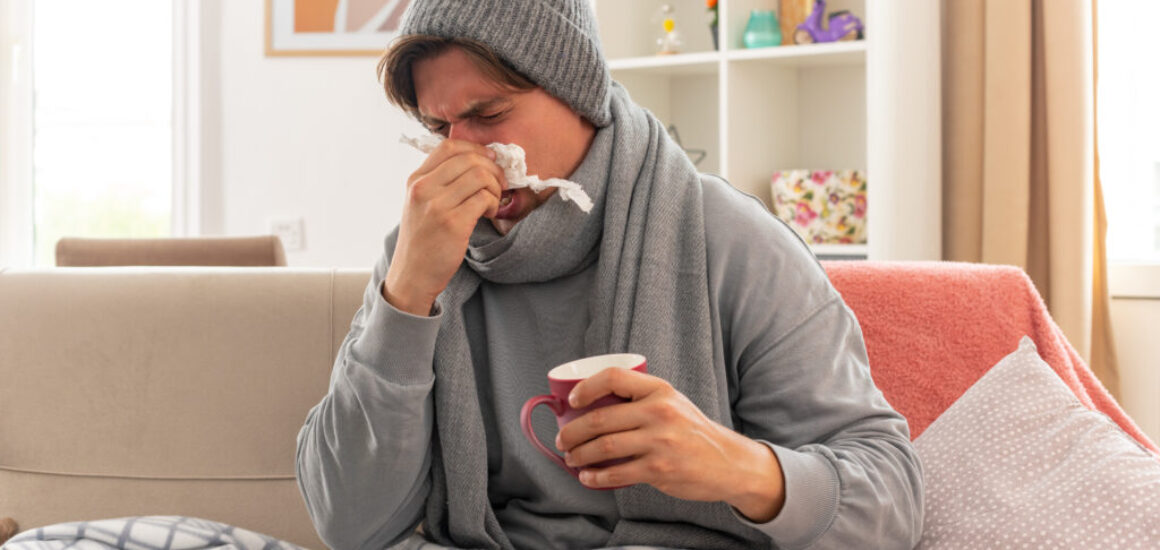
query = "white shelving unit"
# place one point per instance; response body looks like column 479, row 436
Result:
column 871, row 104
column 843, row 251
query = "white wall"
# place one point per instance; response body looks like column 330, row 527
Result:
column 289, row 137
column 1134, row 322
column 1135, row 312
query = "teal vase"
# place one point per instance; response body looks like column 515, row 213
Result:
column 762, row 30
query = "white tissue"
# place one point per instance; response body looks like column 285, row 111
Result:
column 513, row 160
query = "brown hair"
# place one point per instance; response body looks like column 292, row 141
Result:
column 394, row 68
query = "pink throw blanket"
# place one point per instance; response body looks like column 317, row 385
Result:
column 933, row 328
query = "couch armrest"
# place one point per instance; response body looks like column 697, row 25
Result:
column 933, row 328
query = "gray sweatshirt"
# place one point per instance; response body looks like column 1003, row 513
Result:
column 797, row 374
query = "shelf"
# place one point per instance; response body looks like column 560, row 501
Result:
column 811, row 55
column 843, row 250
column 806, row 55
column 677, row 64
column 870, row 104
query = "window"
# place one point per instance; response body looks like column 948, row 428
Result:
column 99, row 122
column 1129, row 130
column 102, row 78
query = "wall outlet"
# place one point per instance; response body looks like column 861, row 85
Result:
column 290, row 231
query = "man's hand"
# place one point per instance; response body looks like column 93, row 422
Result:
column 457, row 184
column 671, row 445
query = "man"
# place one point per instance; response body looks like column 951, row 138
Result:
column 758, row 424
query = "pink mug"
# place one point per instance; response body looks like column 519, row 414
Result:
column 561, row 380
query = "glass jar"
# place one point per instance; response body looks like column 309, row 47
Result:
column 762, row 30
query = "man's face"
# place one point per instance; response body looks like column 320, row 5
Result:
column 458, row 102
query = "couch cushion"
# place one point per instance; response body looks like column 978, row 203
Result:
column 145, row 532
column 143, row 391
column 1019, row 462
column 161, row 372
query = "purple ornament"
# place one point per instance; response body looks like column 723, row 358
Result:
column 841, row 24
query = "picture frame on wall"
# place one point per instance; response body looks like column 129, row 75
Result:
column 331, row 27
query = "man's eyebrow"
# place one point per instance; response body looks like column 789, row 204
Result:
column 472, row 110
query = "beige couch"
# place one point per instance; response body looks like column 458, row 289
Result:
column 179, row 391
column 164, row 391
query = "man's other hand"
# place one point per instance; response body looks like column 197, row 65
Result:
column 670, row 445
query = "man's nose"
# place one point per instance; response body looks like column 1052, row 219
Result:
column 461, row 130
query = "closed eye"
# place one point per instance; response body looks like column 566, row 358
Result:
column 492, row 117
column 475, row 115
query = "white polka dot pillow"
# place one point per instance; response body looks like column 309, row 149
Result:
column 1019, row 462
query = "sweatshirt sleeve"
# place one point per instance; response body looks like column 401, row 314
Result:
column 799, row 367
column 364, row 452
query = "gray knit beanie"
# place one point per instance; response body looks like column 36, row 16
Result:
column 552, row 42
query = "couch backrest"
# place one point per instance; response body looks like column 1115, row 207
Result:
column 159, row 391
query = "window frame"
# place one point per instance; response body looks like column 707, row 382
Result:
column 16, row 128
column 185, row 215
column 1133, row 281
column 1127, row 279
column 16, row 217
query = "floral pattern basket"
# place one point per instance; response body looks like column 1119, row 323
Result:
column 823, row 206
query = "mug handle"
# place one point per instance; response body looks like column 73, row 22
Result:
column 526, row 426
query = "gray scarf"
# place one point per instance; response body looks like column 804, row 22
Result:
column 646, row 231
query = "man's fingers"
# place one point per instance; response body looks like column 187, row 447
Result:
column 453, row 170
column 481, row 204
column 450, row 148
column 608, row 446
column 619, row 475
column 605, row 420
column 470, row 182
column 625, row 383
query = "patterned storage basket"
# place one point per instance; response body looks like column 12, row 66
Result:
column 823, row 206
